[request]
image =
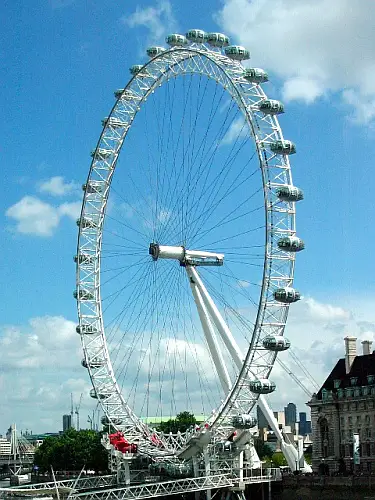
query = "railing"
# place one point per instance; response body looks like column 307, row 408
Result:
column 106, row 487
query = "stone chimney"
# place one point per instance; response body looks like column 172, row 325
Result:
column 366, row 346
column 350, row 352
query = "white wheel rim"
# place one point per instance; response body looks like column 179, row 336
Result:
column 279, row 221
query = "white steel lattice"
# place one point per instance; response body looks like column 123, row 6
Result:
column 278, row 264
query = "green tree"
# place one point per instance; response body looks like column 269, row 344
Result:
column 72, row 450
column 278, row 459
column 263, row 449
column 181, row 423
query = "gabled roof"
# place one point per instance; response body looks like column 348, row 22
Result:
column 362, row 366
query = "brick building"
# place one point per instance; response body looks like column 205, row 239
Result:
column 345, row 405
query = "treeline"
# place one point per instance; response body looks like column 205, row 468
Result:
column 72, row 450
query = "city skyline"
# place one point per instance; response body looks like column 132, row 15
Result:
column 53, row 103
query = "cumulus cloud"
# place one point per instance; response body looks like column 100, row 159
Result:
column 34, row 216
column 316, row 331
column 40, row 362
column 46, row 341
column 158, row 20
column 56, row 186
column 317, row 47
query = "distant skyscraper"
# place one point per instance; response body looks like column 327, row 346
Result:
column 67, row 422
column 262, row 421
column 302, row 423
column 290, row 414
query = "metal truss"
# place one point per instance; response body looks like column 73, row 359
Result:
column 278, row 264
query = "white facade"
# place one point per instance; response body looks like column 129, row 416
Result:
column 4, row 446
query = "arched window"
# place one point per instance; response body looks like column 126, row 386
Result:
column 324, row 433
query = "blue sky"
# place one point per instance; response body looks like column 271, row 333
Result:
column 61, row 61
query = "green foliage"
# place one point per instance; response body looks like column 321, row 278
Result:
column 278, row 459
column 263, row 449
column 181, row 423
column 72, row 450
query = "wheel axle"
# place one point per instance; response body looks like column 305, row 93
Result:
column 185, row 257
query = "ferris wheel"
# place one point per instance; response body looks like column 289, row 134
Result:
column 186, row 245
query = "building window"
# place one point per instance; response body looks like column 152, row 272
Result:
column 353, row 406
column 324, row 433
column 342, row 421
column 340, row 393
column 359, row 419
column 367, row 419
column 336, row 383
column 349, row 392
column 368, row 450
column 350, row 420
column 370, row 405
column 370, row 379
column 365, row 390
column 353, row 381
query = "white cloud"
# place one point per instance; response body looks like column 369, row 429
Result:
column 237, row 130
column 34, row 216
column 316, row 47
column 56, row 186
column 158, row 20
column 40, row 362
column 72, row 209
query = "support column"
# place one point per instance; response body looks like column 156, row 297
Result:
column 209, row 333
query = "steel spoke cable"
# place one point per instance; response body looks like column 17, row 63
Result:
column 113, row 326
column 230, row 190
column 169, row 197
column 180, row 134
column 218, row 143
column 212, row 196
column 178, row 198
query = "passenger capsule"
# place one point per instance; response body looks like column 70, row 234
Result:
column 83, row 294
column 114, row 122
column 85, row 223
column 176, row 40
column 276, row 343
column 217, row 40
column 126, row 95
column 83, row 258
column 283, row 147
column 137, row 68
column 255, row 75
column 262, row 386
column 237, row 52
column 244, row 421
column 291, row 244
column 271, row 107
column 289, row 193
column 106, row 421
column 118, row 92
column 101, row 154
column 86, row 329
column 154, row 51
column 96, row 395
column 93, row 187
column 197, row 36
column 286, row 295
column 92, row 363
